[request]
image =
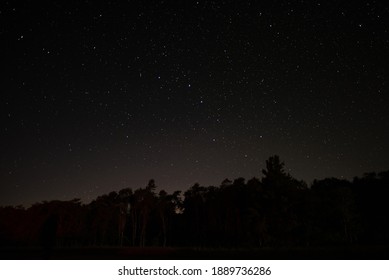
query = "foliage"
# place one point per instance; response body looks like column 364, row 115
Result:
column 276, row 210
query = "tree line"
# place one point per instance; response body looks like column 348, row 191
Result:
column 276, row 210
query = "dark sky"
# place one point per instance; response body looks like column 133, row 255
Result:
column 100, row 96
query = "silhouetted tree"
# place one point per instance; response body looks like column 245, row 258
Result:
column 284, row 199
column 335, row 214
column 194, row 214
column 142, row 204
column 167, row 206
column 276, row 210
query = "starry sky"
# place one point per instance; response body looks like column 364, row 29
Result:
column 101, row 95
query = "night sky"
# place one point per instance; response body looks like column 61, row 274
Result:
column 98, row 96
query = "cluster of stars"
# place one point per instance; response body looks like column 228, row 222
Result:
column 119, row 93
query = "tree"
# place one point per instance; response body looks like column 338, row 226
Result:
column 167, row 206
column 141, row 206
column 334, row 213
column 194, row 214
column 123, row 208
column 284, row 201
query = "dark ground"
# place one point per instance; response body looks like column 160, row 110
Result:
column 113, row 253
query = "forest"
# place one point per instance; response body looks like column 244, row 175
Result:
column 274, row 211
